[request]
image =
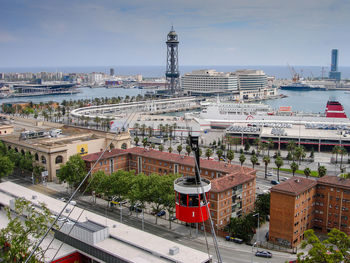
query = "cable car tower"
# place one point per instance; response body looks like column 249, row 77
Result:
column 191, row 193
column 172, row 67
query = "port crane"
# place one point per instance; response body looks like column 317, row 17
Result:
column 295, row 75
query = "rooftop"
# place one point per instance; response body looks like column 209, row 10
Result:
column 124, row 242
column 294, row 186
column 173, row 158
column 334, row 181
column 229, row 181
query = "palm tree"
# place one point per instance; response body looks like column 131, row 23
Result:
column 266, row 160
column 294, row 166
column 270, row 145
column 299, row 153
column 342, row 152
column 307, row 172
column 150, row 131
column 242, row 159
column 136, row 140
column 208, row 153
column 322, row 171
column 153, row 145
column 254, row 160
column 143, row 130
column 145, row 142
column 219, row 152
column 170, row 149
column 230, row 155
column 279, row 164
column 179, row 148
column 336, row 150
column 188, row 149
column 97, row 120
column 161, row 147
column 290, row 148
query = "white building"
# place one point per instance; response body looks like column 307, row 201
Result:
column 209, row 82
column 253, row 84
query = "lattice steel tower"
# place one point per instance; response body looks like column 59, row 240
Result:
column 172, row 67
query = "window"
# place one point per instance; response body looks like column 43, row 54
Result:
column 59, row 159
column 36, row 157
column 43, row 159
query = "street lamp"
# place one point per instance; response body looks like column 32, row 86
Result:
column 257, row 235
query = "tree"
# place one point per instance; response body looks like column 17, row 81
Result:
column 294, row 166
column 170, row 149
column 188, row 149
column 312, row 153
column 270, row 145
column 254, row 160
column 322, row 171
column 153, row 145
column 161, row 147
column 73, row 172
column 6, row 166
column 179, row 148
column 262, row 204
column 279, row 164
column 246, row 146
column 342, row 152
column 220, row 153
column 25, row 227
column 230, row 155
column 336, row 150
column 136, row 140
column 266, row 161
column 26, row 162
column 299, row 153
column 242, row 159
column 3, row 149
column 307, row 172
column 144, row 142
column 208, row 153
column 334, row 249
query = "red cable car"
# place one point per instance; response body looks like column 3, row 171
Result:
column 191, row 193
column 191, row 206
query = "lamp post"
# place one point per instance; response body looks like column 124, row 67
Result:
column 253, row 252
column 257, row 235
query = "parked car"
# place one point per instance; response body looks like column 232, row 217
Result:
column 173, row 218
column 161, row 213
column 135, row 208
column 72, row 202
column 284, row 179
column 264, row 254
column 269, row 173
column 274, row 182
column 62, row 199
column 234, row 239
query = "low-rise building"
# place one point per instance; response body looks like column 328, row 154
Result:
column 233, row 186
column 52, row 152
column 300, row 204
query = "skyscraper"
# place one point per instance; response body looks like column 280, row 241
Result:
column 111, row 71
column 334, row 73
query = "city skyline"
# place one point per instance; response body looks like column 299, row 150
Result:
column 90, row 33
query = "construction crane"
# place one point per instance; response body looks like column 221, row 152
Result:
column 295, row 75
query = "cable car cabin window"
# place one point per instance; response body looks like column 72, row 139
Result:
column 183, row 199
column 202, row 199
column 177, row 198
column 193, row 200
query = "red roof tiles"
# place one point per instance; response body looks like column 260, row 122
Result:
column 334, row 181
column 229, row 181
column 294, row 185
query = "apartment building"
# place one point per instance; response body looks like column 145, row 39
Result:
column 300, row 204
column 291, row 210
column 233, row 186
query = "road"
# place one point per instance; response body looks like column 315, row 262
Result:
column 230, row 252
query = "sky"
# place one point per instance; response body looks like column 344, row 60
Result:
column 133, row 32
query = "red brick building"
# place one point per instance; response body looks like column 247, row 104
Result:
column 300, row 204
column 233, row 186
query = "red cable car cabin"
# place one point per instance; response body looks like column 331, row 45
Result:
column 189, row 199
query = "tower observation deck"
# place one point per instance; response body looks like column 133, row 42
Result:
column 172, row 73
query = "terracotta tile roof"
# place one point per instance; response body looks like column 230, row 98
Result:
column 173, row 158
column 334, row 181
column 93, row 157
column 189, row 160
column 294, row 185
column 229, row 181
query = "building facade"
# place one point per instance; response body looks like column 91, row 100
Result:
column 209, row 82
column 53, row 152
column 233, row 187
column 300, row 204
